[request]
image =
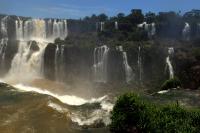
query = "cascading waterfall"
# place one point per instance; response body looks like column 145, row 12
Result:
column 59, row 62
column 59, row 29
column 100, row 63
column 33, row 36
column 150, row 28
column 139, row 64
column 102, row 24
column 116, row 25
column 128, row 69
column 19, row 29
column 186, row 31
column 56, row 61
column 153, row 29
column 168, row 62
column 3, row 45
column 3, row 40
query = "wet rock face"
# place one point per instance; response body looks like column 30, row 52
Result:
column 77, row 63
column 116, row 71
column 34, row 46
column 195, row 75
column 49, row 63
column 187, row 68
column 11, row 50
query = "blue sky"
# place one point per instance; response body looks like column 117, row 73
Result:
column 81, row 8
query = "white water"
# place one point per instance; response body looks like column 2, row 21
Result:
column 139, row 63
column 3, row 46
column 4, row 27
column 128, row 69
column 100, row 63
column 102, row 24
column 186, row 31
column 59, row 29
column 29, row 63
column 81, row 118
column 59, row 62
column 153, row 29
column 56, row 62
column 116, row 25
column 3, row 40
column 57, row 107
column 169, row 64
column 150, row 28
column 67, row 99
column 163, row 91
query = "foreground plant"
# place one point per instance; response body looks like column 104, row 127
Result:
column 131, row 114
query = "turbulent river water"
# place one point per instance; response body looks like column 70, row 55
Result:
column 28, row 108
column 28, row 102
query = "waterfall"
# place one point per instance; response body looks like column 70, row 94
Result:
column 59, row 62
column 56, row 62
column 3, row 40
column 27, row 62
column 19, row 29
column 102, row 25
column 33, row 36
column 168, row 62
column 100, row 63
column 35, row 29
column 186, row 31
column 127, row 68
column 4, row 28
column 149, row 28
column 139, row 63
column 153, row 29
column 116, row 25
column 3, row 46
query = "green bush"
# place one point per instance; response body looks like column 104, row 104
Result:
column 171, row 83
column 132, row 115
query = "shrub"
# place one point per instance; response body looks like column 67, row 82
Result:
column 171, row 83
column 131, row 114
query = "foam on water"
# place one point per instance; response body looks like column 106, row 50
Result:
column 67, row 99
column 81, row 117
column 92, row 118
column 57, row 107
column 163, row 91
column 1, row 81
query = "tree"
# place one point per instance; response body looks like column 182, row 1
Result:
column 150, row 17
column 120, row 15
column 136, row 16
column 94, row 18
column 103, row 17
column 86, row 18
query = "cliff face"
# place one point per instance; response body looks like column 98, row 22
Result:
column 72, row 59
column 78, row 64
column 187, row 65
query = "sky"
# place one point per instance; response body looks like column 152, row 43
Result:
column 80, row 8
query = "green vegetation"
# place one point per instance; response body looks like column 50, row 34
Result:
column 171, row 83
column 132, row 114
column 168, row 25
